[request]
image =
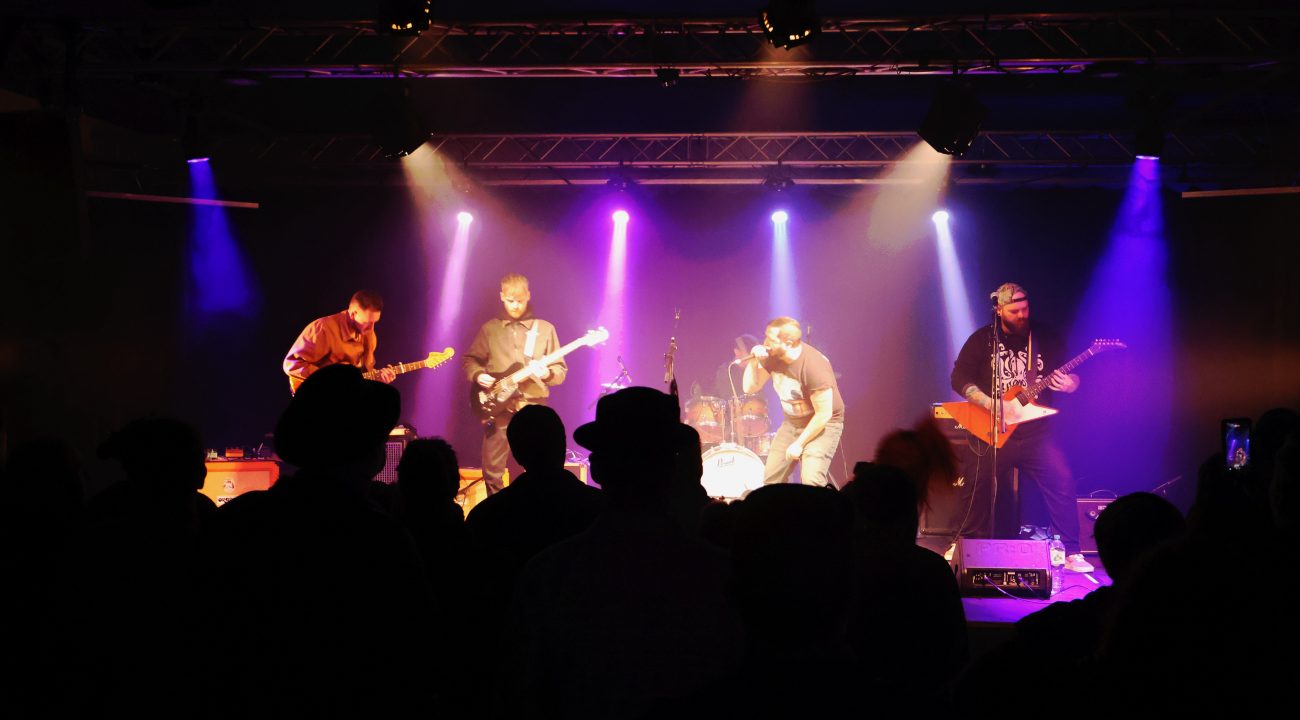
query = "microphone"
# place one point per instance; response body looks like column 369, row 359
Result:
column 745, row 359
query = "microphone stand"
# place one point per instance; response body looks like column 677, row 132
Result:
column 670, row 372
column 999, row 420
column 623, row 375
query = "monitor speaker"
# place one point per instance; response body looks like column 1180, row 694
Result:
column 993, row 567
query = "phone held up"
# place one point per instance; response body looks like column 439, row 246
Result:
column 1236, row 443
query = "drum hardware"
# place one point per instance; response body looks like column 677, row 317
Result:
column 707, row 414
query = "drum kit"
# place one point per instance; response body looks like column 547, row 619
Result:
column 735, row 440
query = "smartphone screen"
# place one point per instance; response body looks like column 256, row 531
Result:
column 1236, row 443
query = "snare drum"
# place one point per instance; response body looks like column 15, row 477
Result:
column 707, row 414
column 730, row 471
column 753, row 415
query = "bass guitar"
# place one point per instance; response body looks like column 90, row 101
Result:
column 491, row 402
column 434, row 360
column 1018, row 403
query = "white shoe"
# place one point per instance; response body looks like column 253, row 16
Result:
column 1076, row 563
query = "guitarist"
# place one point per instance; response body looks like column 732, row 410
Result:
column 346, row 337
column 504, row 344
column 1032, row 448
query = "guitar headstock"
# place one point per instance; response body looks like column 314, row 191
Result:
column 595, row 337
column 437, row 358
column 1102, row 345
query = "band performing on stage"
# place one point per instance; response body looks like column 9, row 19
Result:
column 1002, row 372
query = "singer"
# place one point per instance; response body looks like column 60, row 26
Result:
column 810, row 401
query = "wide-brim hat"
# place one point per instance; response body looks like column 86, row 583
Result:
column 336, row 415
column 634, row 417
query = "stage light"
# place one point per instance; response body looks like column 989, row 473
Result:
column 787, row 23
column 780, row 216
column 778, row 180
column 1149, row 141
column 940, row 216
column 620, row 217
column 401, row 131
column 953, row 121
column 404, row 17
column 668, row 77
column 194, row 140
column 464, row 218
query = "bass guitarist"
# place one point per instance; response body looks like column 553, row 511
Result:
column 506, row 343
column 1021, row 355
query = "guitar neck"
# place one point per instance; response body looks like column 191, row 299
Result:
column 522, row 373
column 1041, row 383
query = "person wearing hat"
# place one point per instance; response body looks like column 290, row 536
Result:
column 1021, row 356
column 636, row 609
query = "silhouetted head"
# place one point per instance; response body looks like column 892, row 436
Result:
column 536, row 437
column 1268, row 435
column 160, row 456
column 632, row 440
column 1284, row 488
column 337, row 418
column 1131, row 526
column 884, row 500
column 924, row 454
column 428, row 472
column 791, row 545
column 44, row 478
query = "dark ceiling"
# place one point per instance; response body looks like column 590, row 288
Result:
column 296, row 91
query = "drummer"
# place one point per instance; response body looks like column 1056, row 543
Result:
column 727, row 381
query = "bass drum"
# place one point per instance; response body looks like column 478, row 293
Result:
column 730, row 471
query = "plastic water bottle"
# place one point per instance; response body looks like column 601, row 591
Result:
column 1057, row 549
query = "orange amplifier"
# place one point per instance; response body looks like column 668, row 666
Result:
column 231, row 478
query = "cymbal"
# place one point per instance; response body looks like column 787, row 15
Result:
column 613, row 386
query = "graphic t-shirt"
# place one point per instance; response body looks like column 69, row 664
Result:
column 972, row 365
column 796, row 382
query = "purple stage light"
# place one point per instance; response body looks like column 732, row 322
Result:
column 780, row 216
column 196, row 160
column 939, row 216
column 783, row 291
column 1148, row 157
column 221, row 281
column 464, row 218
column 620, row 217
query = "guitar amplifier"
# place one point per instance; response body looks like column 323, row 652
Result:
column 1089, row 509
column 1017, row 567
column 398, row 437
column 947, row 505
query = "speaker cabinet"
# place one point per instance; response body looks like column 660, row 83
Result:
column 1089, row 509
column 393, row 449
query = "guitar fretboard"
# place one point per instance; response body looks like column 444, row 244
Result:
column 1033, row 391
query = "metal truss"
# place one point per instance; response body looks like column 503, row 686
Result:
column 994, row 44
column 839, row 158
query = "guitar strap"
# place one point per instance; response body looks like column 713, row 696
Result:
column 530, row 341
column 1031, row 371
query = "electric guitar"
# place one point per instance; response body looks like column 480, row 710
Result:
column 1018, row 402
column 434, row 360
column 491, row 402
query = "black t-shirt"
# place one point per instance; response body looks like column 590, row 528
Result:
column 972, row 365
column 796, row 382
